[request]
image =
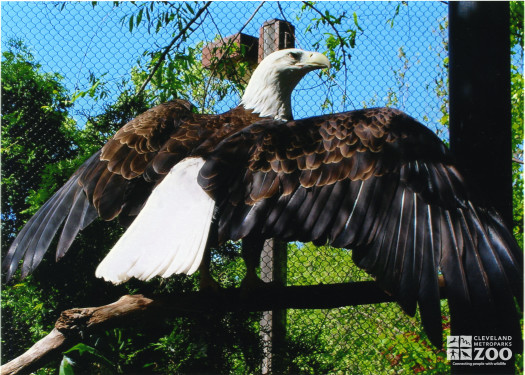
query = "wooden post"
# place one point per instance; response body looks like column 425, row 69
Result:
column 274, row 35
column 273, row 323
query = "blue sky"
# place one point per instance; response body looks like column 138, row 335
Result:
column 80, row 39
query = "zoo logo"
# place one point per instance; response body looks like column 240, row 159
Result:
column 461, row 348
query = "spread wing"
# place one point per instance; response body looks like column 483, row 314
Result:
column 115, row 181
column 378, row 182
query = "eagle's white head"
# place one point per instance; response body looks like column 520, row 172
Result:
column 269, row 92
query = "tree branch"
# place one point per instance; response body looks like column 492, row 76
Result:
column 70, row 327
column 342, row 44
column 38, row 355
column 226, row 48
column 168, row 48
column 73, row 324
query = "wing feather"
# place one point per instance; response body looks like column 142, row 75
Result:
column 428, row 294
column 81, row 214
column 378, row 182
column 118, row 178
column 47, row 221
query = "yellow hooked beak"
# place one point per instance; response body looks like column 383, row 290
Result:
column 315, row 60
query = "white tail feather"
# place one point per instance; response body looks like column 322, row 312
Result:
column 170, row 233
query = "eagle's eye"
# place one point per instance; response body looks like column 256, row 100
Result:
column 294, row 55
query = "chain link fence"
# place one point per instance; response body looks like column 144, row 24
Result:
column 384, row 54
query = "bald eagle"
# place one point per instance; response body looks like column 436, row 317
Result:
column 119, row 178
column 375, row 181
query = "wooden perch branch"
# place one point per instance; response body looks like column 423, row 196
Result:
column 74, row 323
column 38, row 355
column 69, row 328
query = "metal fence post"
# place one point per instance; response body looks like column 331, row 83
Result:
column 480, row 114
column 480, row 111
column 274, row 35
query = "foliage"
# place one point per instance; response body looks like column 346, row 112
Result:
column 34, row 136
column 396, row 96
column 336, row 43
column 517, row 105
column 177, row 70
column 181, row 75
column 159, row 15
column 34, row 114
column 24, row 308
column 441, row 80
column 516, row 23
column 353, row 339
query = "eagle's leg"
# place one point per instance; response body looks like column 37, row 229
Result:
column 252, row 247
column 206, row 280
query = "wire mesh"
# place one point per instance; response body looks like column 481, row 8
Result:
column 393, row 54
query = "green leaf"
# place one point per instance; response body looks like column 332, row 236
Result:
column 139, row 17
column 65, row 367
column 356, row 23
column 82, row 348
